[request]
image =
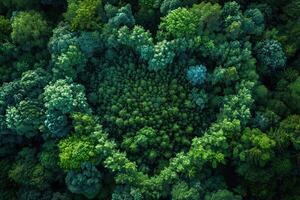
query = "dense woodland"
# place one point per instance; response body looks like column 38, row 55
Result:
column 149, row 100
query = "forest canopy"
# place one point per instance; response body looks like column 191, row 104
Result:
column 149, row 99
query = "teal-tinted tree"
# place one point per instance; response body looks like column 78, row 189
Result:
column 86, row 182
column 270, row 54
column 196, row 75
column 254, row 21
column 65, row 96
column 69, row 63
column 89, row 43
column 27, row 90
column 25, row 118
column 121, row 17
column 61, row 39
column 60, row 99
column 169, row 5
column 32, row 82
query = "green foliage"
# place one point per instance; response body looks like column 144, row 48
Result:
column 227, row 75
column 257, row 147
column 171, row 104
column 292, row 95
column 69, row 64
column 208, row 15
column 119, row 164
column 126, row 193
column 87, row 181
column 87, row 126
column 223, row 195
column 149, row 3
column 238, row 24
column 162, row 56
column 57, row 124
column 291, row 127
column 84, row 124
column 76, row 150
column 29, row 29
column 169, row 5
column 122, row 17
column 30, row 85
column 60, row 99
column 137, row 39
column 89, row 43
column 87, row 144
column 267, row 119
column 232, row 17
column 84, row 14
column 48, row 157
column 18, row 4
column 5, row 28
column 188, row 23
column 196, row 74
column 65, row 97
column 270, row 54
column 149, row 99
column 145, row 144
column 180, row 22
column 34, row 81
column 238, row 106
column 61, row 40
column 181, row 191
column 261, row 93
column 25, row 118
column 26, row 170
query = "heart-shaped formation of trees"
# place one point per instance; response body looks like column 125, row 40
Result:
column 149, row 99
